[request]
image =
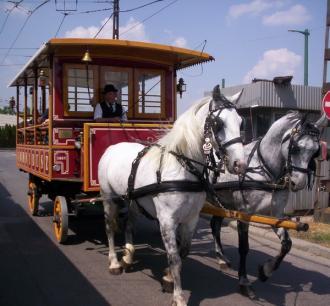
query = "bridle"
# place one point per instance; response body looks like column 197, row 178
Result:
column 300, row 130
column 293, row 138
column 213, row 123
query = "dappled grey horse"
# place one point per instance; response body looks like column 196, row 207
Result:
column 285, row 153
column 179, row 157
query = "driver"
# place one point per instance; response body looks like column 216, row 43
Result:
column 110, row 110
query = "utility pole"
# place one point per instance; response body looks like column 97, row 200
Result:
column 306, row 33
column 115, row 28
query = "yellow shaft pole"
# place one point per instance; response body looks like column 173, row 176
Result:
column 238, row 215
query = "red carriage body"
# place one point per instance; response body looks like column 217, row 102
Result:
column 58, row 142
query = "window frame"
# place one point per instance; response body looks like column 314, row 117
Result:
column 103, row 69
column 66, row 67
column 137, row 114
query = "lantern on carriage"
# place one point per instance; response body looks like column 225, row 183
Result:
column 181, row 87
column 42, row 79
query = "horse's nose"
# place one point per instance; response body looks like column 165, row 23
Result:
column 239, row 167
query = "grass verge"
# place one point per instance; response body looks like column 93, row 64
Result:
column 318, row 233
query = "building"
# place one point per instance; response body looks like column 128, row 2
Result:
column 262, row 103
column 7, row 119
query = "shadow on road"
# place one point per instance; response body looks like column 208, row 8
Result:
column 33, row 270
column 34, row 266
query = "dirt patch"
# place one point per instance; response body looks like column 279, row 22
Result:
column 318, row 233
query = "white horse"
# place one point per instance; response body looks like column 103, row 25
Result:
column 176, row 211
column 286, row 150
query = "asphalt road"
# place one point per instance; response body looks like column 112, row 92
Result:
column 36, row 271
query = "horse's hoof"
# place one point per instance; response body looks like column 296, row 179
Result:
column 116, row 271
column 126, row 266
column 167, row 286
column 247, row 291
column 179, row 302
column 261, row 274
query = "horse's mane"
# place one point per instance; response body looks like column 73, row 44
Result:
column 286, row 122
column 292, row 118
column 186, row 134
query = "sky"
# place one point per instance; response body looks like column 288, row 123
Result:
column 248, row 39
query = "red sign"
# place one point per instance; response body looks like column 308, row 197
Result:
column 326, row 104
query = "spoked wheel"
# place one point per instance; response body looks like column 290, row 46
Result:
column 61, row 219
column 33, row 198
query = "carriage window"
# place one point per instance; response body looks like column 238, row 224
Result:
column 150, row 93
column 120, row 78
column 80, row 88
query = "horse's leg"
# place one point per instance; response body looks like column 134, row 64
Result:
column 110, row 212
column 168, row 232
column 243, row 241
column 215, row 224
column 266, row 270
column 184, row 235
column 127, row 259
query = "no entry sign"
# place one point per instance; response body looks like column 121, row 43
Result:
column 326, row 104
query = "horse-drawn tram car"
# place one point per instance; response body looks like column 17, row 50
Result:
column 58, row 141
column 59, row 144
column 74, row 145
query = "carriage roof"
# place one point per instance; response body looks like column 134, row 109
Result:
column 176, row 57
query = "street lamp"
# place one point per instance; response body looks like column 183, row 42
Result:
column 306, row 33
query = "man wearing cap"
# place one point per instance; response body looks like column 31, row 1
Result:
column 110, row 110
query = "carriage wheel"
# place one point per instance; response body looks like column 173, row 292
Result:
column 61, row 219
column 33, row 198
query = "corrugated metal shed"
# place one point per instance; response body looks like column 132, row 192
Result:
column 268, row 94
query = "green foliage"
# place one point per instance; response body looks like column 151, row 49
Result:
column 7, row 110
column 8, row 136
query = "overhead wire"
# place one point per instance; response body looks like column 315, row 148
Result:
column 15, row 5
column 141, row 6
column 108, row 9
column 22, row 28
column 19, row 48
column 157, row 12
column 104, row 24
column 9, row 65
column 59, row 27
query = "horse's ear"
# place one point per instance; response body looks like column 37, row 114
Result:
column 216, row 95
column 235, row 98
column 322, row 122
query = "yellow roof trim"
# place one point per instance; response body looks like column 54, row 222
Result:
column 175, row 57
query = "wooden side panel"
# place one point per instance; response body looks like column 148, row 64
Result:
column 35, row 160
column 97, row 138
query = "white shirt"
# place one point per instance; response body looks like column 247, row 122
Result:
column 98, row 111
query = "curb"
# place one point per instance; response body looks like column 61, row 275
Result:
column 268, row 234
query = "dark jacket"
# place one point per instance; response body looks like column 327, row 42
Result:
column 107, row 112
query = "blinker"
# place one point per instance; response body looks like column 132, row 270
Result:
column 216, row 123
